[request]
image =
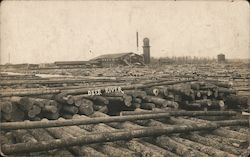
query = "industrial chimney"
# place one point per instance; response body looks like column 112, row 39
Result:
column 146, row 51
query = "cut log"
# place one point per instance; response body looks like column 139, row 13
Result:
column 152, row 91
column 51, row 116
column 136, row 105
column 43, row 135
column 26, row 125
column 110, row 149
column 50, row 109
column 70, row 109
column 6, row 107
column 159, row 102
column 137, row 100
column 148, row 106
column 226, row 91
column 60, row 133
column 86, row 109
column 243, row 144
column 139, row 146
column 210, row 142
column 64, row 98
column 178, row 148
column 107, row 137
column 22, row 102
column 97, row 99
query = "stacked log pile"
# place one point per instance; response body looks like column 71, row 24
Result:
column 171, row 136
column 161, row 117
column 52, row 104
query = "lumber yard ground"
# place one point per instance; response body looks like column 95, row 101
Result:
column 168, row 110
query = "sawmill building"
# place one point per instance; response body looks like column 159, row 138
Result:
column 110, row 60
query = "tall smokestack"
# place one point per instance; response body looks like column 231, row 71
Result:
column 137, row 41
column 146, row 50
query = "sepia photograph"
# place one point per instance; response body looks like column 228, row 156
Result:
column 124, row 78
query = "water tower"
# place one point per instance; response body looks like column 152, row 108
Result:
column 146, row 50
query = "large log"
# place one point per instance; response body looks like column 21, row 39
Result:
column 148, row 106
column 23, row 103
column 221, row 84
column 203, row 148
column 177, row 147
column 23, row 136
column 129, row 125
column 107, row 137
column 50, row 109
column 34, row 111
column 153, row 91
column 237, row 102
column 140, row 146
column 16, row 114
column 6, row 107
column 43, row 135
column 56, row 123
column 208, row 141
column 243, row 144
column 111, row 149
column 55, row 81
column 29, row 93
column 136, row 93
column 177, row 143
column 226, row 91
column 77, row 150
column 86, row 107
column 97, row 99
column 161, row 102
column 212, row 143
column 70, row 109
column 64, row 98
column 223, row 131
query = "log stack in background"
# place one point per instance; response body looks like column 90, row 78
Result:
column 156, row 92
column 196, row 95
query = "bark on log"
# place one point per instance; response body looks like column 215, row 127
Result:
column 210, row 142
column 148, row 106
column 70, row 109
column 135, row 145
column 226, row 91
column 43, row 135
column 107, row 137
column 205, row 149
column 97, row 99
column 178, row 148
column 77, row 150
column 86, row 107
column 50, row 109
column 64, row 98
column 55, row 123
column 159, row 102
column 243, row 144
column 16, row 114
column 6, row 107
column 152, row 91
column 23, row 136
column 137, row 100
column 111, row 149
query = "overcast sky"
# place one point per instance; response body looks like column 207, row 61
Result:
column 48, row 31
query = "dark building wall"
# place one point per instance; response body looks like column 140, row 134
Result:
column 127, row 59
column 146, row 50
column 221, row 58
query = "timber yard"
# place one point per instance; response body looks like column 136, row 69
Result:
column 125, row 105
